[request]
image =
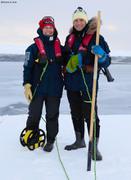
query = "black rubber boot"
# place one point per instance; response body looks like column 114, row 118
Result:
column 79, row 143
column 48, row 147
column 98, row 154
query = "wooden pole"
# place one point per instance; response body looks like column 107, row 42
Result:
column 93, row 95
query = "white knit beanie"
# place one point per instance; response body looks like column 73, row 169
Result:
column 80, row 13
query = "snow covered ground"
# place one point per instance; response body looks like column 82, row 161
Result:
column 18, row 163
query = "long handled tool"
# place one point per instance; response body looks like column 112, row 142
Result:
column 93, row 97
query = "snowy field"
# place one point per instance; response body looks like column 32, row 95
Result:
column 18, row 163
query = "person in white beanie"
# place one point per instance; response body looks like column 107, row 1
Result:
column 80, row 13
column 80, row 49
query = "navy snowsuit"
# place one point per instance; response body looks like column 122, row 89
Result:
column 52, row 81
column 74, row 83
column 49, row 90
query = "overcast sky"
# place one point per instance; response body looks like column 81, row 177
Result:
column 19, row 22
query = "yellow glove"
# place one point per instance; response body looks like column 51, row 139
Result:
column 28, row 93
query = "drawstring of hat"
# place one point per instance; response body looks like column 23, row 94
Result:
column 90, row 101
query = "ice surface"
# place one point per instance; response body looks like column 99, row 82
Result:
column 18, row 163
column 113, row 98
